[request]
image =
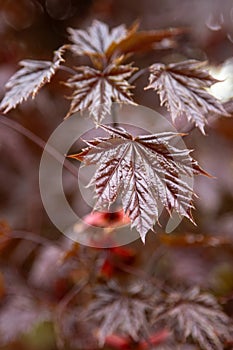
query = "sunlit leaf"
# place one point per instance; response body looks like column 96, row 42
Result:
column 182, row 88
column 29, row 79
column 96, row 39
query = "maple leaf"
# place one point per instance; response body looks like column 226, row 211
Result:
column 99, row 41
column 96, row 39
column 195, row 315
column 145, row 170
column 182, row 88
column 29, row 79
column 95, row 89
column 19, row 315
column 140, row 41
column 122, row 311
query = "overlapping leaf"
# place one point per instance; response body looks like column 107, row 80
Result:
column 140, row 41
column 29, row 79
column 99, row 40
column 182, row 88
column 95, row 89
column 145, row 170
column 195, row 315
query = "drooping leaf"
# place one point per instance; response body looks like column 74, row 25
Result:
column 95, row 89
column 182, row 88
column 29, row 79
column 196, row 316
column 140, row 41
column 145, row 171
column 120, row 311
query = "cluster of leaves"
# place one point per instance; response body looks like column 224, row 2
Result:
column 147, row 169
column 138, row 315
column 97, row 310
column 182, row 86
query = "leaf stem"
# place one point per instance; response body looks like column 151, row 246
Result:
column 138, row 74
column 32, row 237
column 114, row 115
column 67, row 69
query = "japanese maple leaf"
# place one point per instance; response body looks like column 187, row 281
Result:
column 121, row 311
column 182, row 88
column 145, row 171
column 19, row 314
column 96, row 89
column 96, row 39
column 99, row 41
column 29, row 79
column 196, row 316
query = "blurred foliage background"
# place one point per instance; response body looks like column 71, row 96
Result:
column 31, row 263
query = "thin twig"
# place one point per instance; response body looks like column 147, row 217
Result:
column 70, row 296
column 39, row 142
column 60, row 310
column 30, row 236
column 67, row 69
